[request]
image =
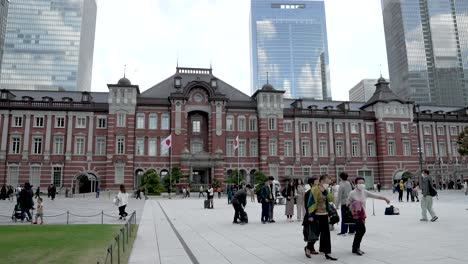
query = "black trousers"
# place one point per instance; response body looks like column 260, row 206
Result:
column 324, row 235
column 238, row 212
column 265, row 211
column 360, row 231
column 400, row 195
column 409, row 191
column 344, row 227
column 122, row 212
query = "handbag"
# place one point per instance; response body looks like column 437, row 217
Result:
column 333, row 216
column 116, row 201
column 432, row 191
column 392, row 210
column 310, row 231
column 347, row 216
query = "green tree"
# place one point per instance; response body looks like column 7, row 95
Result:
column 463, row 142
column 150, row 181
column 176, row 176
column 232, row 179
column 259, row 180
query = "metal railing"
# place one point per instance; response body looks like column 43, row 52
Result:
column 120, row 244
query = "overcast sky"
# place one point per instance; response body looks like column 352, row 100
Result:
column 149, row 35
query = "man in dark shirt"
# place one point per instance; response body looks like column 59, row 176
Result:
column 238, row 202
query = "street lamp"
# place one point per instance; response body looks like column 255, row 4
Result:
column 420, row 151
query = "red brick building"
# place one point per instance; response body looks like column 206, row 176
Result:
column 111, row 138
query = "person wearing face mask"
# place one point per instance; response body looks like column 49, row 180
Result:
column 317, row 205
column 357, row 203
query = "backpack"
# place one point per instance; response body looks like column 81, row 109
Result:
column 259, row 194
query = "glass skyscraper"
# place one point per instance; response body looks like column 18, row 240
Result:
column 288, row 42
column 427, row 49
column 49, row 45
column 3, row 21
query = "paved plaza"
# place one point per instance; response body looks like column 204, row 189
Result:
column 208, row 236
column 181, row 231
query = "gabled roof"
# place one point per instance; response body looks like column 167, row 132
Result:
column 383, row 94
column 187, row 75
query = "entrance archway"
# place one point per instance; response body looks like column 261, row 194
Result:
column 85, row 182
column 137, row 181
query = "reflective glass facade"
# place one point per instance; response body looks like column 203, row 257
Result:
column 288, row 40
column 3, row 21
column 427, row 49
column 49, row 45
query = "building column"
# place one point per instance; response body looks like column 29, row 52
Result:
column 69, row 136
column 363, row 141
column 348, row 144
column 314, row 141
column 3, row 148
column 89, row 153
column 48, row 136
column 297, row 141
column 27, row 129
column 331, row 141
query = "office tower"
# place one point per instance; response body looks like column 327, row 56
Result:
column 288, row 43
column 427, row 49
column 49, row 45
column 3, row 20
column 363, row 90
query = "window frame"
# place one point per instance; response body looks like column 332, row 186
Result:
column 241, row 123
column 56, row 150
column 60, row 122
column 79, row 120
column 153, row 121
column 37, row 146
column 117, row 147
column 100, row 140
column 305, row 127
column 287, row 124
column 355, row 152
column 99, row 123
column 391, row 148
column 36, row 119
column 77, row 150
column 13, row 143
column 140, row 121
column 17, row 121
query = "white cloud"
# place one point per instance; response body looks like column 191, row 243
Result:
column 147, row 36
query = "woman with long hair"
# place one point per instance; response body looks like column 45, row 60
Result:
column 300, row 191
column 123, row 201
column 317, row 205
column 290, row 193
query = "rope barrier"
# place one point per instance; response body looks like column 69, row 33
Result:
column 54, row 215
column 85, row 215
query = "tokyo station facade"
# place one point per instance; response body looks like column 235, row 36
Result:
column 81, row 140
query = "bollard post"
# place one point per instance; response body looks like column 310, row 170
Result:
column 111, row 254
column 118, row 249
column 68, row 216
column 102, row 217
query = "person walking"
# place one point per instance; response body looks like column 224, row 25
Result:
column 290, row 195
column 38, row 192
column 239, row 201
column 318, row 206
column 401, row 187
column 340, row 202
column 416, row 192
column 25, row 200
column 48, row 190
column 40, row 211
column 426, row 199
column 357, row 203
column 300, row 191
column 272, row 199
column 184, row 193
column 98, row 190
column 465, row 186
column 379, row 186
column 123, row 202
column 219, row 192
column 200, row 192
column 138, row 194
column 10, row 193
column 264, row 198
column 229, row 194
column 409, row 190
column 3, row 193
column 188, row 191
column 211, row 196
column 53, row 192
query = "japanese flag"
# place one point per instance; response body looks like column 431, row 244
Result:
column 166, row 143
column 236, row 143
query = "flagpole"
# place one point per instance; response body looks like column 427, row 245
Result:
column 238, row 165
column 170, row 170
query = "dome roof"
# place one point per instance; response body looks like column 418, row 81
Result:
column 381, row 80
column 268, row 87
column 124, row 82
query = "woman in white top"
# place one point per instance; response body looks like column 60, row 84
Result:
column 211, row 196
column 357, row 199
column 123, row 201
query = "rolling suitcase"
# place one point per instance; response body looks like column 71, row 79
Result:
column 206, row 204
